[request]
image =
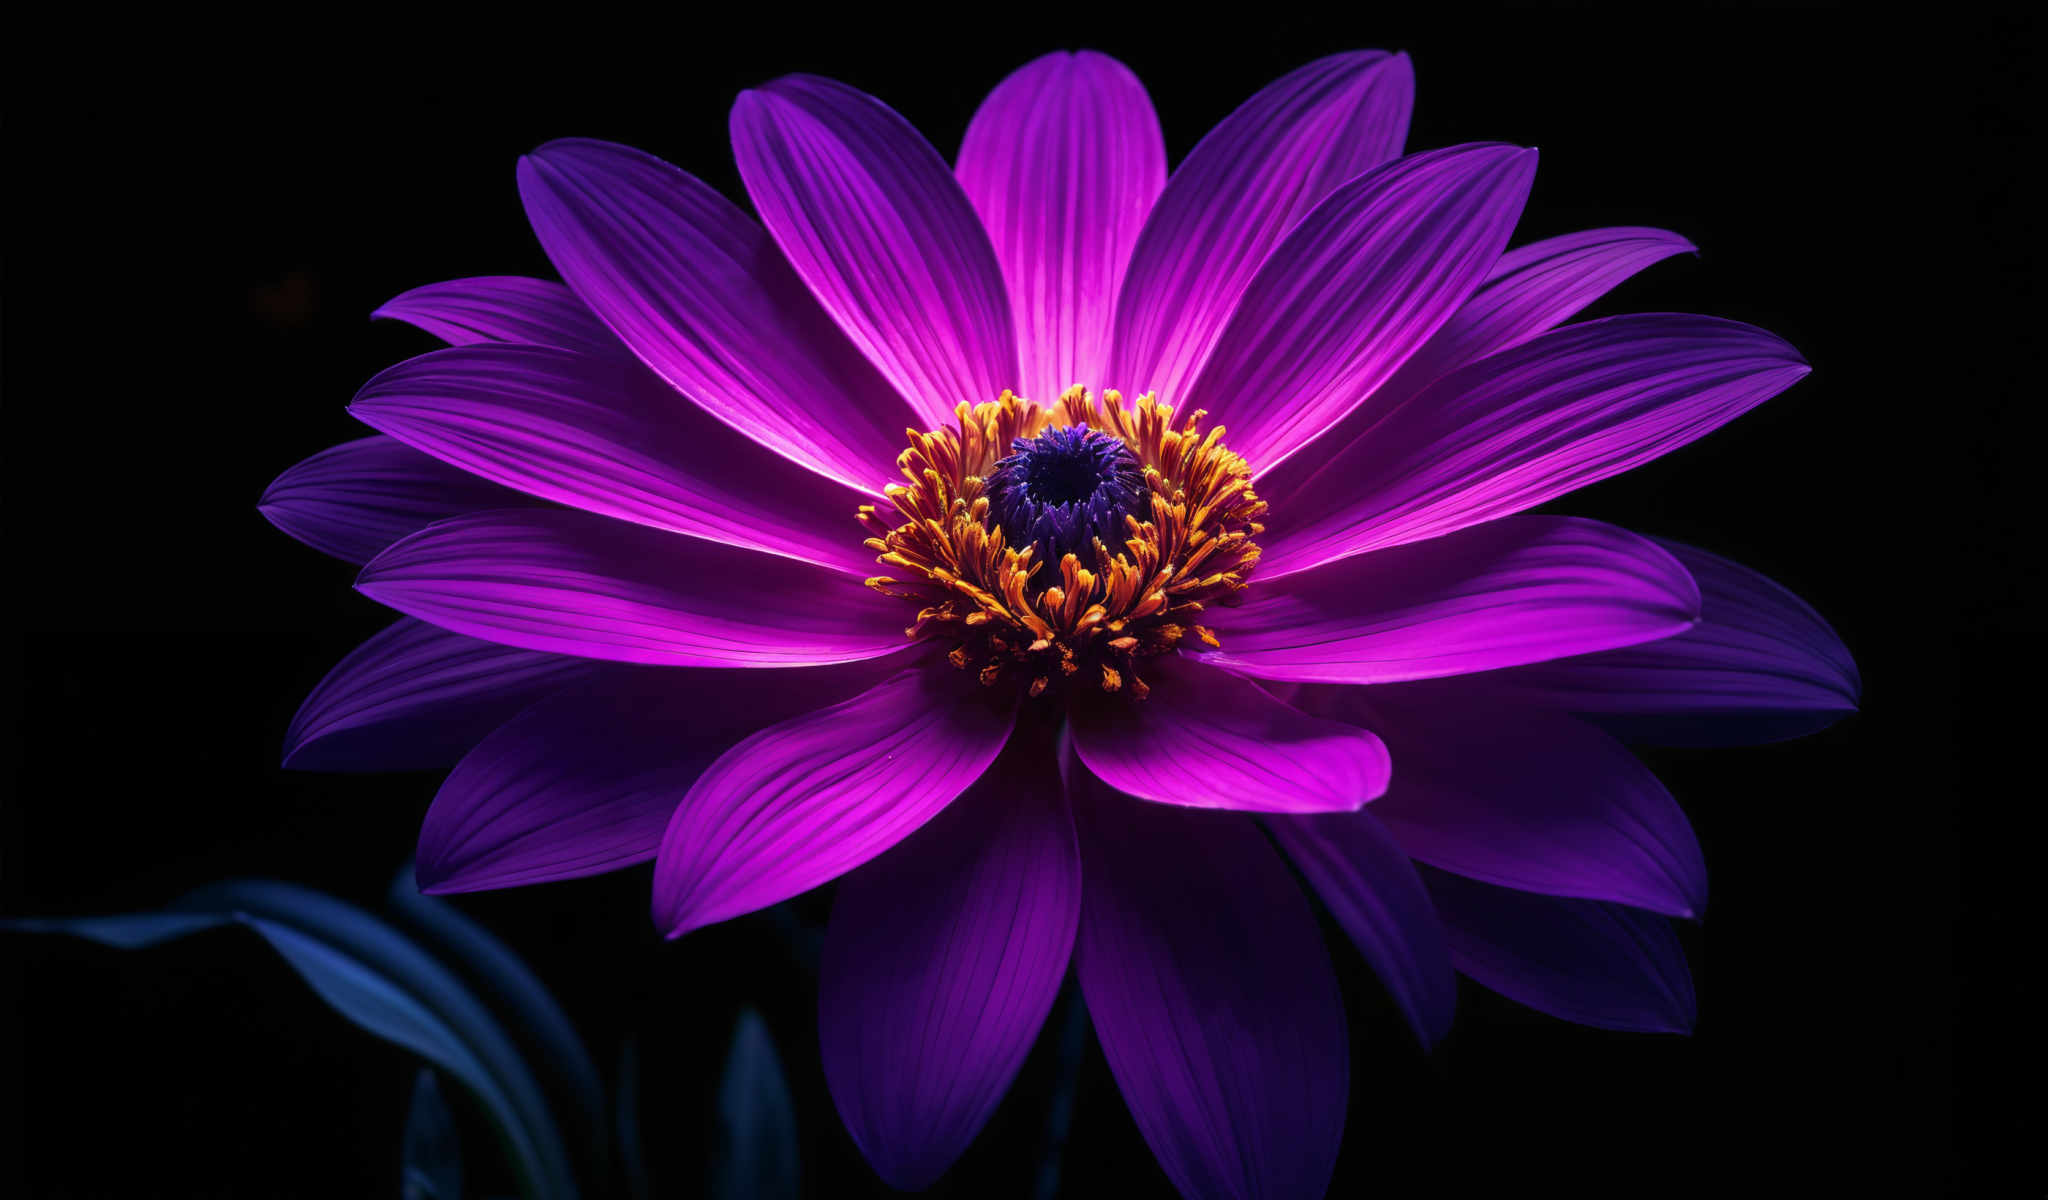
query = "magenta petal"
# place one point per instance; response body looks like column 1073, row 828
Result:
column 1063, row 161
column 1586, row 961
column 1527, row 799
column 803, row 802
column 1530, row 290
column 1208, row 739
column 1236, row 195
column 700, row 294
column 605, row 436
column 881, row 232
column 1362, row 282
column 940, row 964
column 571, row 583
column 354, row 499
column 1212, row 996
column 510, row 309
column 1361, row 873
column 1518, row 590
column 585, row 781
column 1511, row 431
column 1536, row 287
column 1760, row 666
column 416, row 697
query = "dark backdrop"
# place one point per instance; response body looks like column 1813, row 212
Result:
column 200, row 221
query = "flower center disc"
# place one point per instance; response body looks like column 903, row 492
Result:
column 1093, row 544
column 1062, row 490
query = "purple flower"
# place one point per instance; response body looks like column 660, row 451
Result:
column 1118, row 666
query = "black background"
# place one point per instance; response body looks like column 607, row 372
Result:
column 201, row 219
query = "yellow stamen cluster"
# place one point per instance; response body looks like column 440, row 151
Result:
column 1093, row 622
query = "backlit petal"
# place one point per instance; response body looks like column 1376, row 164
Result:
column 1356, row 288
column 1519, row 590
column 876, row 225
column 1062, row 162
column 1509, row 432
column 803, row 802
column 700, row 294
column 1236, row 195
column 572, row 583
column 607, row 437
column 1208, row 739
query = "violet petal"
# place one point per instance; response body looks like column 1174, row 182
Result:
column 803, row 802
column 1531, row 289
column 1062, row 162
column 1525, row 798
column 571, row 583
column 1585, row 961
column 941, row 962
column 1760, row 666
column 1518, row 590
column 1257, row 173
column 871, row 218
column 508, row 309
column 1365, row 878
column 1509, row 432
column 416, row 697
column 354, row 499
column 585, row 781
column 1212, row 996
column 1208, row 739
column 607, row 437
column 700, row 294
column 1356, row 288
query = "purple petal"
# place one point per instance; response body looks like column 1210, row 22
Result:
column 1530, row 290
column 415, row 697
column 1237, row 194
column 1518, row 590
column 1541, row 285
column 572, row 583
column 504, row 308
column 1063, row 161
column 1362, row 282
column 1373, row 891
column 1212, row 996
column 1586, row 961
column 1527, row 799
column 803, row 802
column 607, row 437
column 700, row 294
column 1564, row 410
column 1760, row 666
column 878, row 227
column 940, row 964
column 1207, row 739
column 354, row 499
column 585, row 781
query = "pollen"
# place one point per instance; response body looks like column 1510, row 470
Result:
column 1062, row 547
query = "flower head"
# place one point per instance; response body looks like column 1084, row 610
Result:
column 1212, row 521
column 1096, row 543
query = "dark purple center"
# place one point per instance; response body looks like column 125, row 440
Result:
column 1063, row 489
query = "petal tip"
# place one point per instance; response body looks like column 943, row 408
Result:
column 295, row 743
column 430, row 879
